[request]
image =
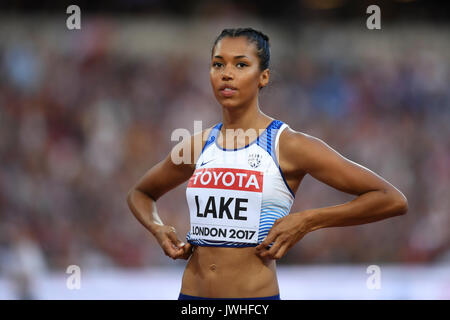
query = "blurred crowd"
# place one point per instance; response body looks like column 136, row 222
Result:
column 80, row 125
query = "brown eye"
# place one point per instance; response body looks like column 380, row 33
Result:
column 216, row 63
column 243, row 64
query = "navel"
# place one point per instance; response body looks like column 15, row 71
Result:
column 212, row 267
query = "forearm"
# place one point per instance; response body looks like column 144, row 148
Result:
column 144, row 209
column 368, row 207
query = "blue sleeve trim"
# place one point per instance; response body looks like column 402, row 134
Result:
column 212, row 135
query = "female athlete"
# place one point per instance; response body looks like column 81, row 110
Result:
column 241, row 189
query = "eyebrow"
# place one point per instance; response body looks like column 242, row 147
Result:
column 235, row 57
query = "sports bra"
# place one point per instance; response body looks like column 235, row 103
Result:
column 235, row 195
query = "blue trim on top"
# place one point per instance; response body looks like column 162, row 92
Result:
column 265, row 137
column 269, row 141
column 212, row 136
column 269, row 147
column 285, row 182
column 254, row 141
column 265, row 140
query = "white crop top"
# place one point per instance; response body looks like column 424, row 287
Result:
column 235, row 195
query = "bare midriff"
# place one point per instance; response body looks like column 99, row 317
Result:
column 218, row 272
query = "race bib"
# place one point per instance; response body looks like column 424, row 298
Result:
column 225, row 204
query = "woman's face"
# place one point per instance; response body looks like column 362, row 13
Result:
column 235, row 64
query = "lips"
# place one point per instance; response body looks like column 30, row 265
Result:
column 227, row 90
column 222, row 87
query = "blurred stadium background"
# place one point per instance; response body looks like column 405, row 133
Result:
column 84, row 113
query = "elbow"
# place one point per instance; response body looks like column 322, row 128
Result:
column 396, row 202
column 404, row 208
column 130, row 197
column 401, row 205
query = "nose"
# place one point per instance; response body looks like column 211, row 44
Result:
column 226, row 73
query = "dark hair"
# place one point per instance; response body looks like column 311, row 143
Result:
column 257, row 37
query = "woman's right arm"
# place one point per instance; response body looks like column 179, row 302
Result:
column 163, row 177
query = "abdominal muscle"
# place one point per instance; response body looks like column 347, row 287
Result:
column 218, row 272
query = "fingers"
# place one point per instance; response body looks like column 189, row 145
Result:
column 274, row 232
column 184, row 252
column 267, row 240
column 173, row 237
column 277, row 250
column 268, row 253
column 187, row 247
column 177, row 249
column 281, row 251
column 187, row 251
column 172, row 246
column 280, row 243
column 170, row 249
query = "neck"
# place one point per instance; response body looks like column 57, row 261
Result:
column 243, row 117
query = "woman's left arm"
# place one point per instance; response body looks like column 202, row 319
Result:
column 377, row 199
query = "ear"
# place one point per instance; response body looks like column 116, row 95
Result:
column 264, row 78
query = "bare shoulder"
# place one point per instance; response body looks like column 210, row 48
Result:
column 301, row 150
column 292, row 137
column 309, row 154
